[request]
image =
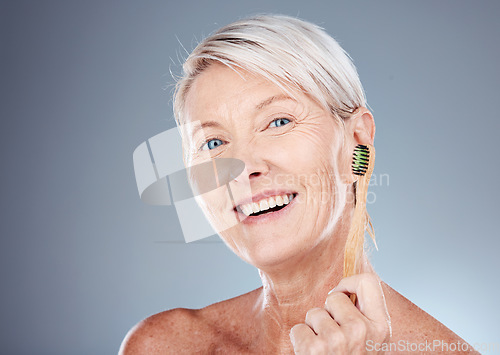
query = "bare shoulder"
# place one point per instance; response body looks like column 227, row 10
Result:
column 412, row 325
column 161, row 333
column 187, row 331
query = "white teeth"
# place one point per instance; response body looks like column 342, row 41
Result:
column 247, row 210
column 265, row 204
column 272, row 202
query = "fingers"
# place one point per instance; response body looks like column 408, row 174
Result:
column 352, row 323
column 321, row 322
column 340, row 327
column 320, row 335
column 369, row 293
column 303, row 339
column 340, row 307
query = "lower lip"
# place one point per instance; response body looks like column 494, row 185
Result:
column 267, row 217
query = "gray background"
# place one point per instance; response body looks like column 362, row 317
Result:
column 82, row 259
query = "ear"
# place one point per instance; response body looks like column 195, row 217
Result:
column 362, row 126
column 360, row 129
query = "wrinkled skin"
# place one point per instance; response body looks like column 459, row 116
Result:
column 293, row 146
column 309, row 156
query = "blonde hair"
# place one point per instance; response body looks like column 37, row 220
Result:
column 290, row 52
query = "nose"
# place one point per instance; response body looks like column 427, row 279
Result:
column 256, row 165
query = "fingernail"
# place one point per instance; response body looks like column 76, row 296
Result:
column 332, row 290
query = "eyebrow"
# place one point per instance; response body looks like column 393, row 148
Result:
column 206, row 124
column 260, row 106
column 272, row 99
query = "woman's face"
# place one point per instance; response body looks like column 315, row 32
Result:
column 293, row 150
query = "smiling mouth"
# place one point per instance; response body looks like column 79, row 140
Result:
column 266, row 205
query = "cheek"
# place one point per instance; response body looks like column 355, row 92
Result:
column 318, row 151
column 217, row 206
column 322, row 157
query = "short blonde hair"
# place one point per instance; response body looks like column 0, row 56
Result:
column 290, row 52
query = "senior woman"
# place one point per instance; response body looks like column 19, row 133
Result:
column 283, row 97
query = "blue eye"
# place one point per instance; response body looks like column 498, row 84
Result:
column 212, row 144
column 279, row 122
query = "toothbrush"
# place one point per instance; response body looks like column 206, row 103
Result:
column 362, row 165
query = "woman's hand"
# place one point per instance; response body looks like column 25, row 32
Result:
column 341, row 327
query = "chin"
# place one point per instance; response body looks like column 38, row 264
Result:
column 268, row 250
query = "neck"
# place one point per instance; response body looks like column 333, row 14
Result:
column 289, row 292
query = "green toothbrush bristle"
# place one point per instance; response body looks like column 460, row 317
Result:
column 360, row 159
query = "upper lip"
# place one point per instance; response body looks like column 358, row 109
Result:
column 263, row 195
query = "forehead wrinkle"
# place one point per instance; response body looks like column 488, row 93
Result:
column 229, row 109
column 209, row 112
column 270, row 100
